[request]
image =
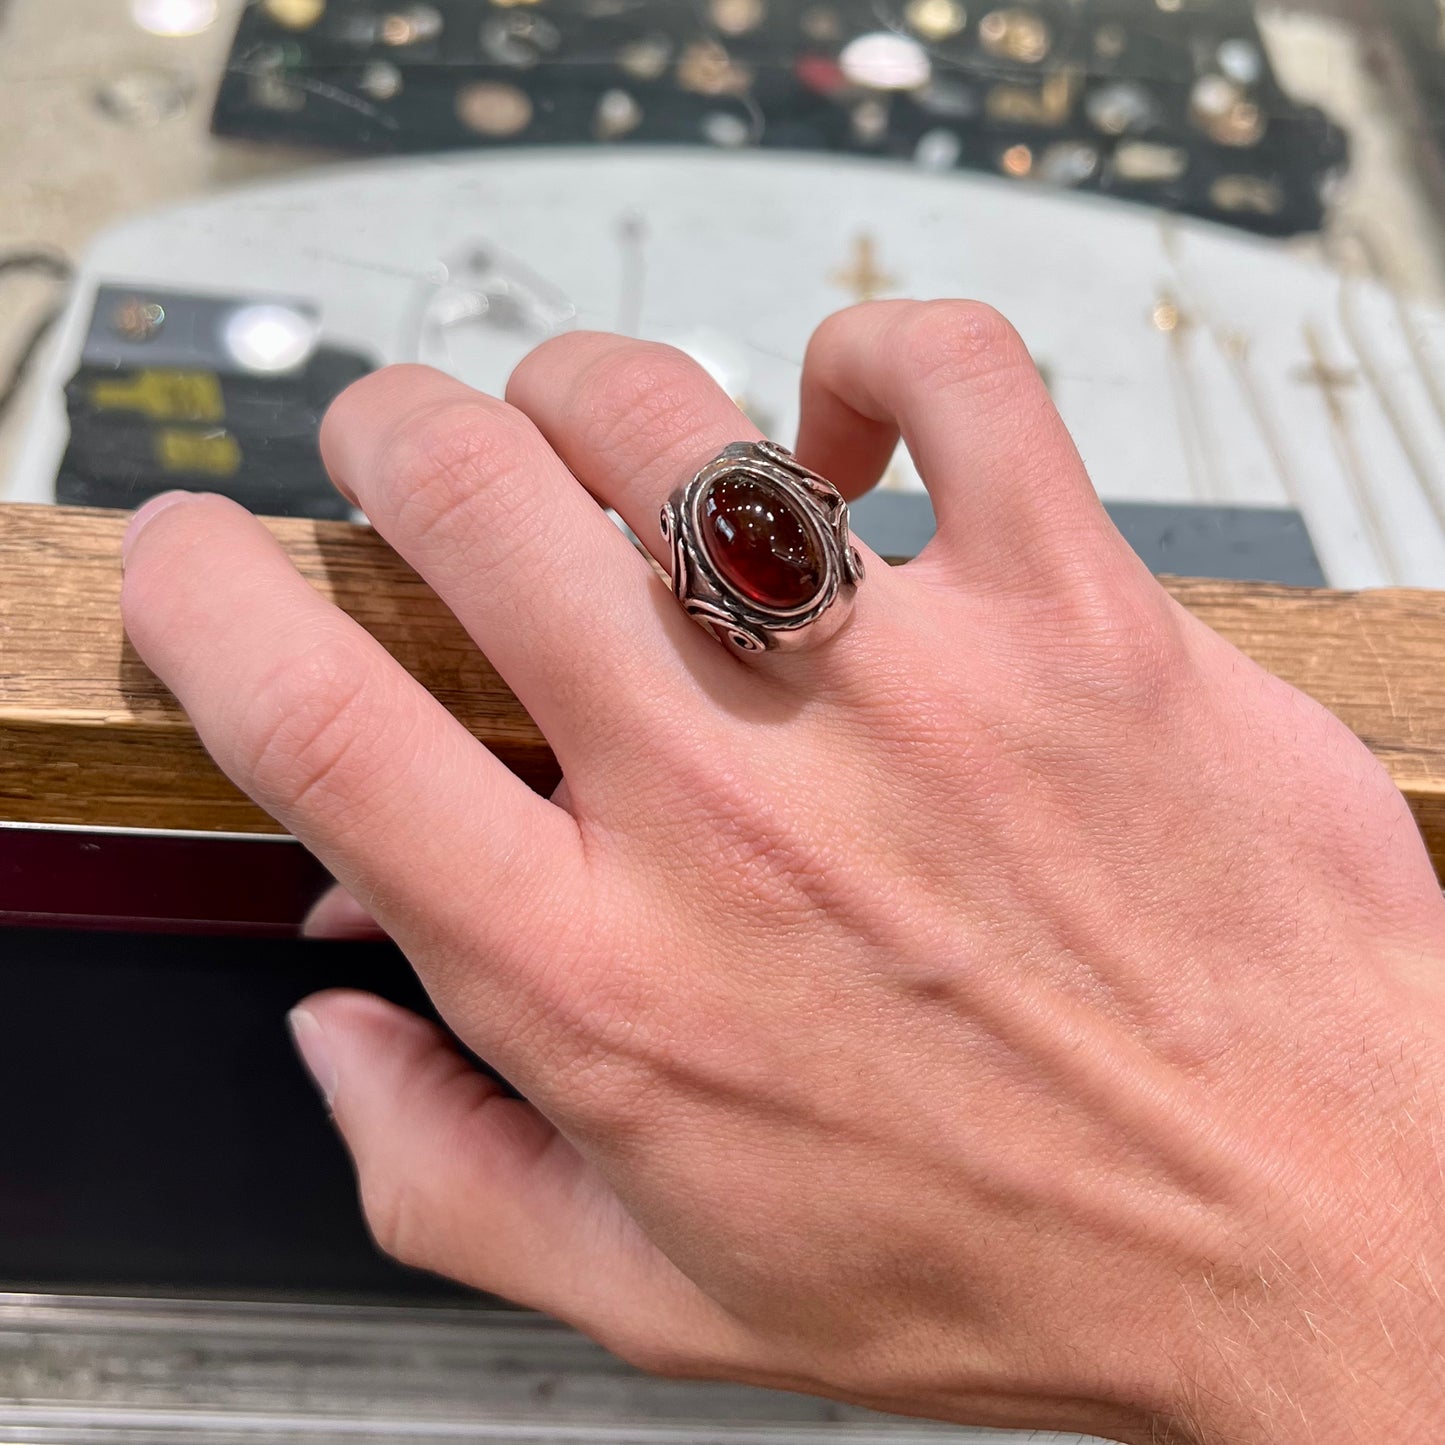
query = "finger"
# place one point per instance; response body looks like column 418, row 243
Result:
column 469, row 492
column 459, row 1178
column 632, row 419
column 337, row 915
column 307, row 713
column 1013, row 501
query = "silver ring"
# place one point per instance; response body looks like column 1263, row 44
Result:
column 759, row 550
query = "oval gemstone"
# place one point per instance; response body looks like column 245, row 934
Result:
column 760, row 543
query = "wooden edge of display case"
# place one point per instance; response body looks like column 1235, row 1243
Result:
column 90, row 738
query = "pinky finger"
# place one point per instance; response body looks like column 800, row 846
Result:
column 460, row 1178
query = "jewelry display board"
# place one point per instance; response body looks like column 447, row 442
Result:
column 1173, row 105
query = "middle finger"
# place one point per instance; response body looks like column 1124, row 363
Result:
column 632, row 419
column 469, row 492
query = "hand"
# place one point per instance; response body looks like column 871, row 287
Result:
column 1021, row 1010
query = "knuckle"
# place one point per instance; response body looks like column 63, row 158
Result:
column 450, row 460
column 943, row 344
column 367, row 408
column 842, row 332
column 304, row 721
column 858, row 324
column 646, row 390
column 379, row 392
column 565, row 354
column 359, row 398
column 1126, row 649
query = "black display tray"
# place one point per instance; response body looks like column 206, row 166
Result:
column 360, row 76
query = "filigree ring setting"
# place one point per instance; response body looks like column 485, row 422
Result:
column 759, row 550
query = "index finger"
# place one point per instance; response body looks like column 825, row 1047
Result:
column 308, row 714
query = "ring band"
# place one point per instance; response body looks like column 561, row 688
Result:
column 759, row 550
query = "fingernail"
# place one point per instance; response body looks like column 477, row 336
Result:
column 145, row 515
column 315, row 1050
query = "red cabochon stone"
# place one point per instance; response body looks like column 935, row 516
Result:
column 760, row 543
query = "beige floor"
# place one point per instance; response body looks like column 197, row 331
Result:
column 69, row 168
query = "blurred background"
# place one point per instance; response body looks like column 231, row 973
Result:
column 1220, row 227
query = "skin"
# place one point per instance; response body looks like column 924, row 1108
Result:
column 1021, row 1010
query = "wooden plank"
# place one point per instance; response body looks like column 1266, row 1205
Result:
column 89, row 736
column 1376, row 659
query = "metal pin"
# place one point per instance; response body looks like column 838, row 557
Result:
column 1015, row 35
column 1120, row 108
column 1049, row 105
column 1068, row 163
column 882, row 60
column 722, row 128
column 494, row 108
column 137, row 320
column 935, row 19
column 938, row 150
column 412, row 26
column 1145, row 161
column 870, row 120
column 646, row 58
column 1218, row 107
column 1240, row 60
column 380, row 80
column 737, row 17
column 1246, row 193
column 618, row 113
column 1016, row 161
column 707, row 69
column 294, row 14
column 520, row 41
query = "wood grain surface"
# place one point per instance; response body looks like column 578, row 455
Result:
column 89, row 736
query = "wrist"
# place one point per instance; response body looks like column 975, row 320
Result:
column 1331, row 1325
column 1322, row 1364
